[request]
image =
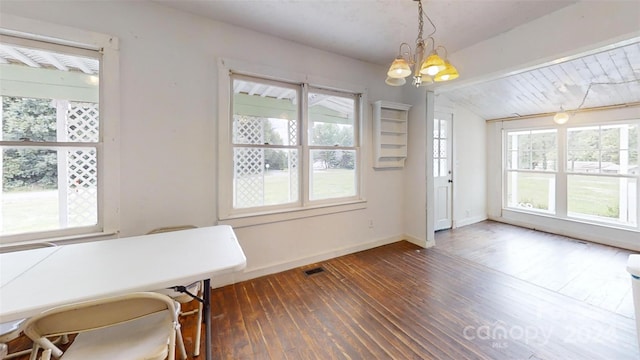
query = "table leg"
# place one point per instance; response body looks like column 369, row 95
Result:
column 206, row 306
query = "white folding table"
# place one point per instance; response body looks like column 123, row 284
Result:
column 32, row 281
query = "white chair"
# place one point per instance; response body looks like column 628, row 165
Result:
column 13, row 329
column 141, row 325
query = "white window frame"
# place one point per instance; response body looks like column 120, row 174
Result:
column 507, row 172
column 108, row 146
column 304, row 208
column 562, row 173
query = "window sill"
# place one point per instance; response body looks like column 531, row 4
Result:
column 59, row 240
column 506, row 213
column 246, row 220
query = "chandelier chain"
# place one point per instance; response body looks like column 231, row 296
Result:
column 420, row 23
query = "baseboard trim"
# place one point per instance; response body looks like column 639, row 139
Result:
column 468, row 221
column 248, row 274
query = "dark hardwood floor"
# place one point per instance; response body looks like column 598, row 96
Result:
column 403, row 302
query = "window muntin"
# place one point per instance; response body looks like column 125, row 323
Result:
column 440, row 146
column 602, row 167
column 531, row 161
column 50, row 139
column 269, row 151
column 606, row 149
column 532, row 150
column 597, row 182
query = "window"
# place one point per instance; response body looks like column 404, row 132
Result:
column 293, row 146
column 602, row 173
column 531, row 161
column 596, row 182
column 52, row 153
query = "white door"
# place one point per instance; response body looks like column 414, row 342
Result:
column 443, row 179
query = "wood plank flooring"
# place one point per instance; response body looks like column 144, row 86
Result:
column 589, row 272
column 403, row 302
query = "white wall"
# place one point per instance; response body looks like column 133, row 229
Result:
column 469, row 168
column 415, row 171
column 168, row 62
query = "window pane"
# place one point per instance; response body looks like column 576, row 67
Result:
column 28, row 119
column 544, row 140
column 532, row 150
column 443, row 167
column 602, row 198
column 264, row 113
column 331, row 120
column 543, row 160
column 518, row 140
column 333, row 174
column 524, row 160
column 583, row 161
column 264, row 177
column 587, row 138
column 531, row 191
column 45, row 189
column 251, row 130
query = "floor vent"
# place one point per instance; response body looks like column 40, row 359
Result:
column 313, row 271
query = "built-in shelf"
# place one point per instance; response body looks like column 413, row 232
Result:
column 390, row 125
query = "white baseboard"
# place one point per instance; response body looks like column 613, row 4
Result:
column 420, row 242
column 248, row 274
column 468, row 221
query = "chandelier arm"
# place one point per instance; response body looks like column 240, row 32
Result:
column 430, row 22
column 446, row 53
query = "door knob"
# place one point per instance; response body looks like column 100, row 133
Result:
column 450, row 180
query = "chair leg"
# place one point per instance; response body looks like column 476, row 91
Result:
column 180, row 343
column 196, row 350
column 46, row 355
column 34, row 352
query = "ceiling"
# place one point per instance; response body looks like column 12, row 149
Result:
column 372, row 30
column 605, row 78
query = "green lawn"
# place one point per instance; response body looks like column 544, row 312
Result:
column 280, row 188
column 27, row 211
column 588, row 195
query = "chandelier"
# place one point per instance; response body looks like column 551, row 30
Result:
column 425, row 70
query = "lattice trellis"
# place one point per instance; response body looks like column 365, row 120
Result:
column 248, row 172
column 249, row 177
column 82, row 125
column 293, row 161
column 248, row 130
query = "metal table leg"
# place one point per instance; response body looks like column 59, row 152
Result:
column 206, row 307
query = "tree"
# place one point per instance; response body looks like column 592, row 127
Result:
column 35, row 120
column 330, row 134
